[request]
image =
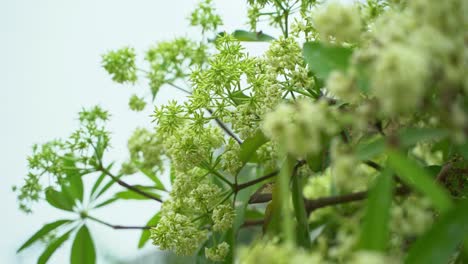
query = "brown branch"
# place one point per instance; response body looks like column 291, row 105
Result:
column 128, row 186
column 248, row 223
column 444, row 172
column 312, row 205
column 253, row 182
column 117, row 226
column 224, row 127
column 260, row 197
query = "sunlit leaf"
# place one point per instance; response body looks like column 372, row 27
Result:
column 145, row 234
column 59, row 199
column 46, row 229
column 52, row 247
column 83, row 250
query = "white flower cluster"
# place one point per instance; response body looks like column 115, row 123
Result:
column 146, row 151
column 338, row 21
column 223, row 217
column 303, row 127
column 348, row 174
column 217, row 253
column 178, row 233
column 188, row 148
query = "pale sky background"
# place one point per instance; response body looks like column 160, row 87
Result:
column 49, row 69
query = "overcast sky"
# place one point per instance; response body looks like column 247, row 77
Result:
column 49, row 69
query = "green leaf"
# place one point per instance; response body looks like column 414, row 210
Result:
column 323, row 59
column 73, row 184
column 419, row 179
column 407, row 137
column 243, row 35
column 131, row 195
column 42, row 232
column 99, row 180
column 59, row 199
column 375, row 230
column 106, row 202
column 239, row 97
column 145, row 234
column 439, row 243
column 107, row 186
column 150, row 174
column 242, row 200
column 52, row 247
column 83, row 248
column 250, row 146
column 302, row 232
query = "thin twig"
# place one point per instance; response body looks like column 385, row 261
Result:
column 180, row 88
column 253, row 182
column 248, row 223
column 116, row 226
column 128, row 186
column 312, row 205
column 224, row 127
column 219, row 122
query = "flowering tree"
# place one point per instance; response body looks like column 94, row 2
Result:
column 345, row 142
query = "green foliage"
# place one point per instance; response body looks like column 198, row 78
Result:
column 322, row 59
column 375, row 230
column 83, row 247
column 345, row 140
column 46, row 229
column 439, row 243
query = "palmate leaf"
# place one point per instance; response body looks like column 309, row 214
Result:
column 52, row 247
column 46, row 229
column 439, row 243
column 83, row 250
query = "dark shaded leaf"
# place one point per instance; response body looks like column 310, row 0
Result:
column 439, row 243
column 375, row 230
column 407, row 137
column 419, row 179
column 302, row 232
